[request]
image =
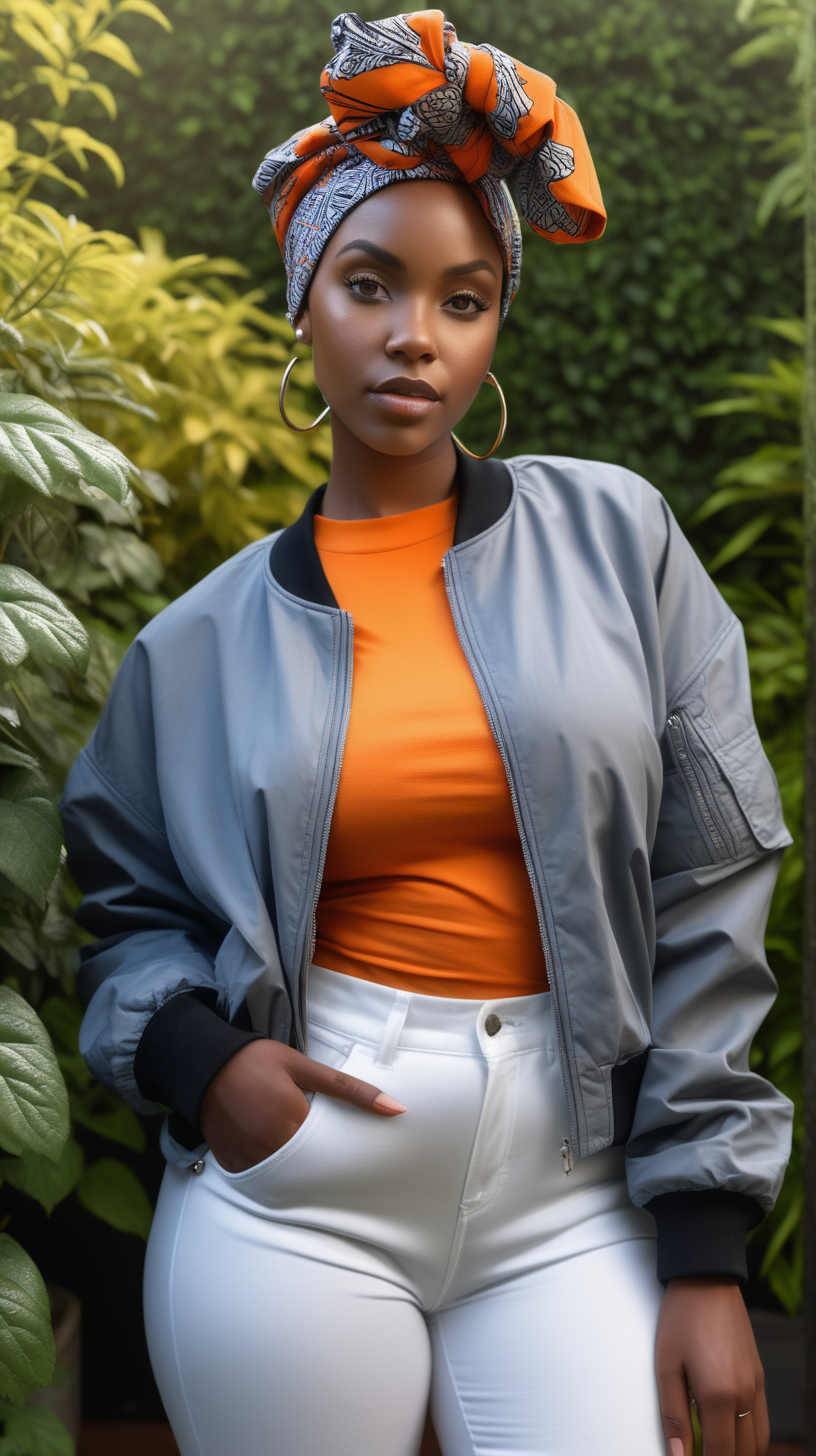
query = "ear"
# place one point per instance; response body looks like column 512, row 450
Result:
column 303, row 326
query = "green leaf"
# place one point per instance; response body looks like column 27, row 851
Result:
column 43, row 1179
column 44, row 448
column 34, row 621
column 26, row 1339
column 62, row 1019
column 37, row 1430
column 33, row 1099
column 16, row 757
column 79, row 142
column 114, row 1194
column 105, row 1113
column 10, row 338
column 10, row 1448
column 115, row 50
column 123, row 554
column 773, row 43
column 742, row 540
column 30, row 845
column 144, row 7
column 785, row 188
column 782, row 1233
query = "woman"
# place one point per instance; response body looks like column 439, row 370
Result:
column 446, row 809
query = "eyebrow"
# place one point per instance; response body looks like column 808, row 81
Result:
column 362, row 245
column 479, row 265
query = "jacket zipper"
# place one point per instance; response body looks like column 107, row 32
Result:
column 302, row 996
column 682, row 752
column 450, row 587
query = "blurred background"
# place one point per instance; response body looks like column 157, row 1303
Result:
column 141, row 298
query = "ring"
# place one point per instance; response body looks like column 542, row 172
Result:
column 742, row 1414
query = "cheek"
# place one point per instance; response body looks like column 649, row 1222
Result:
column 467, row 351
column 346, row 341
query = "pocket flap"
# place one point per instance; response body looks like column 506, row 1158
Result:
column 746, row 767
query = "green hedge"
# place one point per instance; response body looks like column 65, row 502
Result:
column 611, row 347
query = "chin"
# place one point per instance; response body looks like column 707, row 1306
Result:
column 395, row 440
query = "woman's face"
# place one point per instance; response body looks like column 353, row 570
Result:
column 403, row 313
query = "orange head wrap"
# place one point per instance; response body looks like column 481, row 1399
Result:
column 408, row 101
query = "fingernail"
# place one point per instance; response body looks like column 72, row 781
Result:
column 676, row 1446
column 389, row 1105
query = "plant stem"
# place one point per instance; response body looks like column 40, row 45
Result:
column 809, row 949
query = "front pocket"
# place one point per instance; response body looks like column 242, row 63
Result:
column 330, row 1055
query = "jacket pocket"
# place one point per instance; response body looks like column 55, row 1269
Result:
column 731, row 787
column 697, row 773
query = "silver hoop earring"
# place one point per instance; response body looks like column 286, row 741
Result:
column 489, row 379
column 299, row 429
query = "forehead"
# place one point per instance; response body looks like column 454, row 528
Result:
column 421, row 222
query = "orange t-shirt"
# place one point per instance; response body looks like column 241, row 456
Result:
column 425, row 886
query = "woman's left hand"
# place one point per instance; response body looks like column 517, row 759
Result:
column 706, row 1348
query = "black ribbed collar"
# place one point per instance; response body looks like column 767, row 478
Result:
column 485, row 488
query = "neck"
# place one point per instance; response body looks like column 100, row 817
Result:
column 364, row 483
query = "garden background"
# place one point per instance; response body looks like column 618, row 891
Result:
column 141, row 295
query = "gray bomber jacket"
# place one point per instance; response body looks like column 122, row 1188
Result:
column 615, row 679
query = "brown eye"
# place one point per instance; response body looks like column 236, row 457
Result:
column 365, row 286
column 466, row 304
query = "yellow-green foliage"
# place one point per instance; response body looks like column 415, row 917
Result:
column 169, row 361
column 164, row 357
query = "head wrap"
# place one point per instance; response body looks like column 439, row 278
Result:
column 409, row 101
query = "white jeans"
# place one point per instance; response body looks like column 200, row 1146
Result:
column 307, row 1306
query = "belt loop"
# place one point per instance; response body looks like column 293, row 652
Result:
column 393, row 1029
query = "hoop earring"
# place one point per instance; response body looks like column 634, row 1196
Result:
column 300, row 429
column 489, row 379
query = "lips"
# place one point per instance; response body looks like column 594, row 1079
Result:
column 410, row 398
column 412, row 388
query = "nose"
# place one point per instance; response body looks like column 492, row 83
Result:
column 411, row 335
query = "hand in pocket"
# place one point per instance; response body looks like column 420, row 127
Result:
column 257, row 1102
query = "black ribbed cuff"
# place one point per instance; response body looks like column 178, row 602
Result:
column 703, row 1233
column 182, row 1047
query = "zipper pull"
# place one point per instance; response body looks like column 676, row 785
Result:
column 566, row 1156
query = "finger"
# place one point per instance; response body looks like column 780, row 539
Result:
column 718, row 1420
column 745, row 1435
column 751, row 1398
column 675, row 1412
column 762, row 1425
column 315, row 1077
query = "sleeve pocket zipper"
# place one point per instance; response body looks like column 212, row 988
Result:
column 686, row 764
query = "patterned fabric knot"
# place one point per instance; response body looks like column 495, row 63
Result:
column 410, row 101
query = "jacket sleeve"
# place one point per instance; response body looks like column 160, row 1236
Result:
column 141, row 1034
column 710, row 1139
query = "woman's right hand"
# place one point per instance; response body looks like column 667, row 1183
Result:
column 256, row 1102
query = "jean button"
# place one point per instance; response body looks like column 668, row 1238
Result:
column 492, row 1024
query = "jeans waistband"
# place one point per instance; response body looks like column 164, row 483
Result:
column 366, row 1011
